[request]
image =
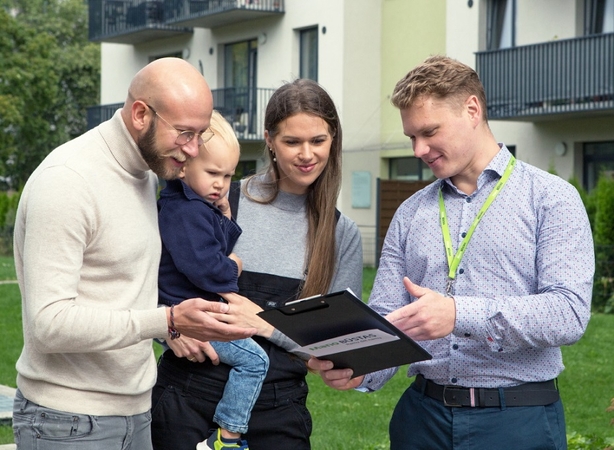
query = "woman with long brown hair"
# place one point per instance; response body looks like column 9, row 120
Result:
column 294, row 244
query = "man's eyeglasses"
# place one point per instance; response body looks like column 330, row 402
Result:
column 187, row 135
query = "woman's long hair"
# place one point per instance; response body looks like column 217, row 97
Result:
column 307, row 96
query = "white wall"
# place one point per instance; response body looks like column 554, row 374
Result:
column 462, row 31
column 544, row 20
column 118, row 65
column 120, row 62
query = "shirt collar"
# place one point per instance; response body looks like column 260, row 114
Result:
column 494, row 170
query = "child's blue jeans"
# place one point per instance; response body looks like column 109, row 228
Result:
column 249, row 364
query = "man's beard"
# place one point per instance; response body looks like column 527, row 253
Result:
column 153, row 158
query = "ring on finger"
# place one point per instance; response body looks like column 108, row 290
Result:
column 192, row 359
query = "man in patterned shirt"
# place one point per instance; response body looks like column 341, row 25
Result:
column 490, row 267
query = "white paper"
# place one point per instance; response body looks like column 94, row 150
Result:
column 360, row 339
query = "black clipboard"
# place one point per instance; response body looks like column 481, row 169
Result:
column 317, row 323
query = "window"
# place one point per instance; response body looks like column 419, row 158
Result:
column 240, row 64
column 501, row 29
column 237, row 101
column 309, row 53
column 598, row 161
column 409, row 169
column 598, row 16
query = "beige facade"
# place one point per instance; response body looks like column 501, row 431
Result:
column 364, row 47
column 539, row 141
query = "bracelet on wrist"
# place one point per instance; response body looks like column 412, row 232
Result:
column 172, row 332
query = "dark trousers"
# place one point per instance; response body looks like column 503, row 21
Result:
column 420, row 422
column 183, row 406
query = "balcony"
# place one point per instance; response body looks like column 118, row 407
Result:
column 244, row 108
column 136, row 21
column 563, row 78
column 217, row 13
column 129, row 22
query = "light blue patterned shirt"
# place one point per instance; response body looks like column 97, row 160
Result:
column 523, row 287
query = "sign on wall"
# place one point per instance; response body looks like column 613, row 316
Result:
column 361, row 189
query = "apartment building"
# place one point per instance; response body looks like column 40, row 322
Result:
column 547, row 65
column 246, row 49
column 548, row 70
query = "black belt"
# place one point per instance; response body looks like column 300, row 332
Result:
column 527, row 394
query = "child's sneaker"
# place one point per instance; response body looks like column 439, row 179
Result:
column 214, row 442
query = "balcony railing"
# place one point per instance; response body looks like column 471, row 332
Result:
column 130, row 21
column 564, row 77
column 244, row 108
column 217, row 13
column 135, row 21
column 101, row 113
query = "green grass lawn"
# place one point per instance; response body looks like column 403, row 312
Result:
column 359, row 421
column 7, row 269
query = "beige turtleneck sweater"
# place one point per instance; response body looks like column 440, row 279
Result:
column 87, row 251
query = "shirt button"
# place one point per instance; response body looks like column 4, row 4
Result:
column 467, row 334
column 461, row 270
column 454, row 380
column 468, row 200
column 455, row 346
column 463, row 234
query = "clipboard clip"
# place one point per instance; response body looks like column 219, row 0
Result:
column 304, row 306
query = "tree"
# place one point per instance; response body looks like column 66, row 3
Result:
column 49, row 75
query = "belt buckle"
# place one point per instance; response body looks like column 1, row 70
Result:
column 458, row 403
column 445, row 399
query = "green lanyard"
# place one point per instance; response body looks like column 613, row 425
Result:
column 455, row 259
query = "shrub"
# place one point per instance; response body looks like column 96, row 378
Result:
column 603, row 234
column 589, row 200
column 8, row 209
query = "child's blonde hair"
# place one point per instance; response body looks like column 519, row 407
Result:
column 222, row 129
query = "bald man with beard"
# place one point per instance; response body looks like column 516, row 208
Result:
column 87, row 251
